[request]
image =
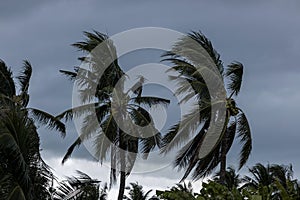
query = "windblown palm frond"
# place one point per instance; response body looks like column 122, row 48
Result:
column 234, row 73
column 48, row 120
column 7, row 86
column 244, row 133
column 81, row 187
column 24, row 77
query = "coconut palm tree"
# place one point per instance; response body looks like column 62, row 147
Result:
column 102, row 81
column 136, row 192
column 197, row 122
column 232, row 179
column 272, row 181
column 24, row 174
column 180, row 191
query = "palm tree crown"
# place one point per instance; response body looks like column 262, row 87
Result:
column 103, row 80
column 197, row 122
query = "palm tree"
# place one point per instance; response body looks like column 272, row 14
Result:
column 271, row 181
column 136, row 192
column 82, row 187
column 24, row 174
column 232, row 179
column 235, row 125
column 180, row 191
column 113, row 107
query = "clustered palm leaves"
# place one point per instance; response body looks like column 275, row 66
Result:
column 272, row 182
column 231, row 180
column 81, row 187
column 23, row 173
column 102, row 80
column 236, row 123
column 136, row 192
column 180, row 191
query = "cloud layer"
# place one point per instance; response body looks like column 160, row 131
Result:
column 264, row 36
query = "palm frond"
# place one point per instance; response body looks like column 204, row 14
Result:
column 140, row 116
column 151, row 101
column 7, row 86
column 234, row 73
column 91, row 42
column 48, row 120
column 71, row 149
column 190, row 151
column 13, row 152
column 244, row 134
column 81, row 110
column 180, row 132
column 201, row 39
column 102, row 145
column 230, row 135
column 24, row 77
column 70, row 75
column 149, row 143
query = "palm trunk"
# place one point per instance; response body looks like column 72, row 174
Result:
column 223, row 168
column 122, row 170
column 122, row 185
column 223, row 160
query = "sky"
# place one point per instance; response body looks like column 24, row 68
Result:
column 263, row 35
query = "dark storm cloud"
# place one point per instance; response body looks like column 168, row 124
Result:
column 264, row 36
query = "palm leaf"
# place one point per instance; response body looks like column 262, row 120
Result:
column 149, row 143
column 180, row 132
column 71, row 149
column 49, row 120
column 151, row 101
column 7, row 86
column 207, row 45
column 12, row 150
column 244, row 134
column 234, row 73
column 70, row 75
column 24, row 77
column 81, row 110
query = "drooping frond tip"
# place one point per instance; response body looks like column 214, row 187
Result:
column 234, row 73
column 25, row 76
column 244, row 134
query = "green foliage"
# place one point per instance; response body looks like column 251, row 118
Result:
column 216, row 191
column 82, row 187
column 178, row 192
column 136, row 192
column 271, row 182
column 23, row 173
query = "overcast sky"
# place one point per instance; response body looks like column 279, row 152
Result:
column 263, row 35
